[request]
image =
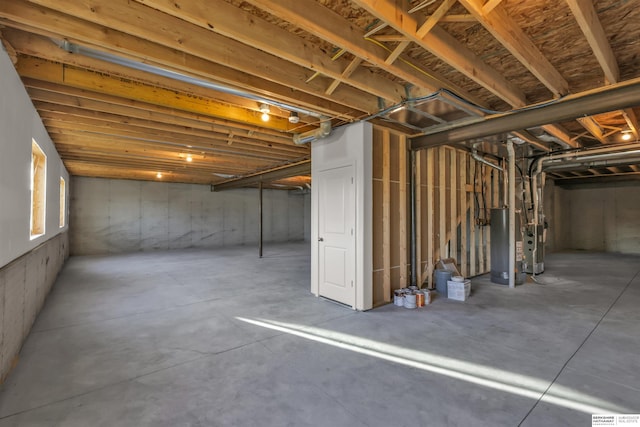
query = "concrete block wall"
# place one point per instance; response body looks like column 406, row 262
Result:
column 113, row 216
column 24, row 285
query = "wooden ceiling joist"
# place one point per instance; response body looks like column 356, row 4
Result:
column 73, row 97
column 585, row 14
column 330, row 26
column 498, row 22
column 225, row 19
column 237, row 68
column 83, row 79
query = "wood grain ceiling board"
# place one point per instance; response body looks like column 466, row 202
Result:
column 310, row 54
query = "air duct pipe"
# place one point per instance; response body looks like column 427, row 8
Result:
column 621, row 161
column 325, row 126
column 573, row 156
column 322, row 132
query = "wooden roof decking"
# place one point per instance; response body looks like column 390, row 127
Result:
column 323, row 56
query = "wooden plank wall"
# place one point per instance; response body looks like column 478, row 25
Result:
column 452, row 218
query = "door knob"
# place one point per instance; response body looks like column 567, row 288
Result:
column 320, row 239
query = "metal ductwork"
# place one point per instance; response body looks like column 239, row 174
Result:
column 477, row 157
column 322, row 132
column 613, row 97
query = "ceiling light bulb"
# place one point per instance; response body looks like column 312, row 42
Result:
column 293, row 117
column 264, row 108
column 158, row 175
column 626, row 136
column 265, row 117
column 189, row 158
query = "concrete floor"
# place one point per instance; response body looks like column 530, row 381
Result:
column 219, row 338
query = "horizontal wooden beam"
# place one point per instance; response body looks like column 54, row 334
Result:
column 83, row 79
column 85, row 99
column 323, row 22
column 231, row 21
column 235, row 68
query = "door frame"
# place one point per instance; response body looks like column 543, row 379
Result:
column 348, row 145
column 316, row 226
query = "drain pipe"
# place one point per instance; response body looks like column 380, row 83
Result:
column 412, row 190
column 512, row 213
column 322, row 132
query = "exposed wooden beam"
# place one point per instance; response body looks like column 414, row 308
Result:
column 353, row 65
column 83, row 79
column 585, row 14
column 632, row 121
column 283, row 81
column 73, row 97
column 447, row 48
column 97, row 126
column 490, row 5
column 434, row 18
column 235, row 23
column 83, row 140
column 397, row 52
column 321, row 21
column 459, row 18
column 117, row 114
column 590, row 124
column 498, row 22
column 273, row 174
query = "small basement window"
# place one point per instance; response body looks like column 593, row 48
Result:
column 63, row 198
column 38, row 189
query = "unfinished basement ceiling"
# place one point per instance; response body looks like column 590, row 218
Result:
column 344, row 60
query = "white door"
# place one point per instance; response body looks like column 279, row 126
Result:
column 336, row 234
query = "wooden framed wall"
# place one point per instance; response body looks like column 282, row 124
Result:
column 454, row 196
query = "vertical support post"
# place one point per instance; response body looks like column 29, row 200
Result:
column 464, row 256
column 386, row 215
column 419, row 228
column 430, row 212
column 453, row 205
column 512, row 214
column 402, row 156
column 260, row 219
column 412, row 191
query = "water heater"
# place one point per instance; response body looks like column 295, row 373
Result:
column 500, row 248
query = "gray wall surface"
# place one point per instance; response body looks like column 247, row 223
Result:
column 24, row 285
column 19, row 124
column 599, row 218
column 112, row 216
column 558, row 219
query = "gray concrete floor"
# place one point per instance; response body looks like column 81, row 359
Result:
column 219, row 337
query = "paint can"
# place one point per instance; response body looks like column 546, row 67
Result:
column 398, row 297
column 427, row 296
column 410, row 300
column 420, row 299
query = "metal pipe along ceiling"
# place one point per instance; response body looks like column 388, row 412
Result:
column 610, row 98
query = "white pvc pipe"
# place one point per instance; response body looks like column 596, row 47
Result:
column 512, row 214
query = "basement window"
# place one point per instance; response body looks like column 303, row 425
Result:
column 38, row 189
column 63, row 199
